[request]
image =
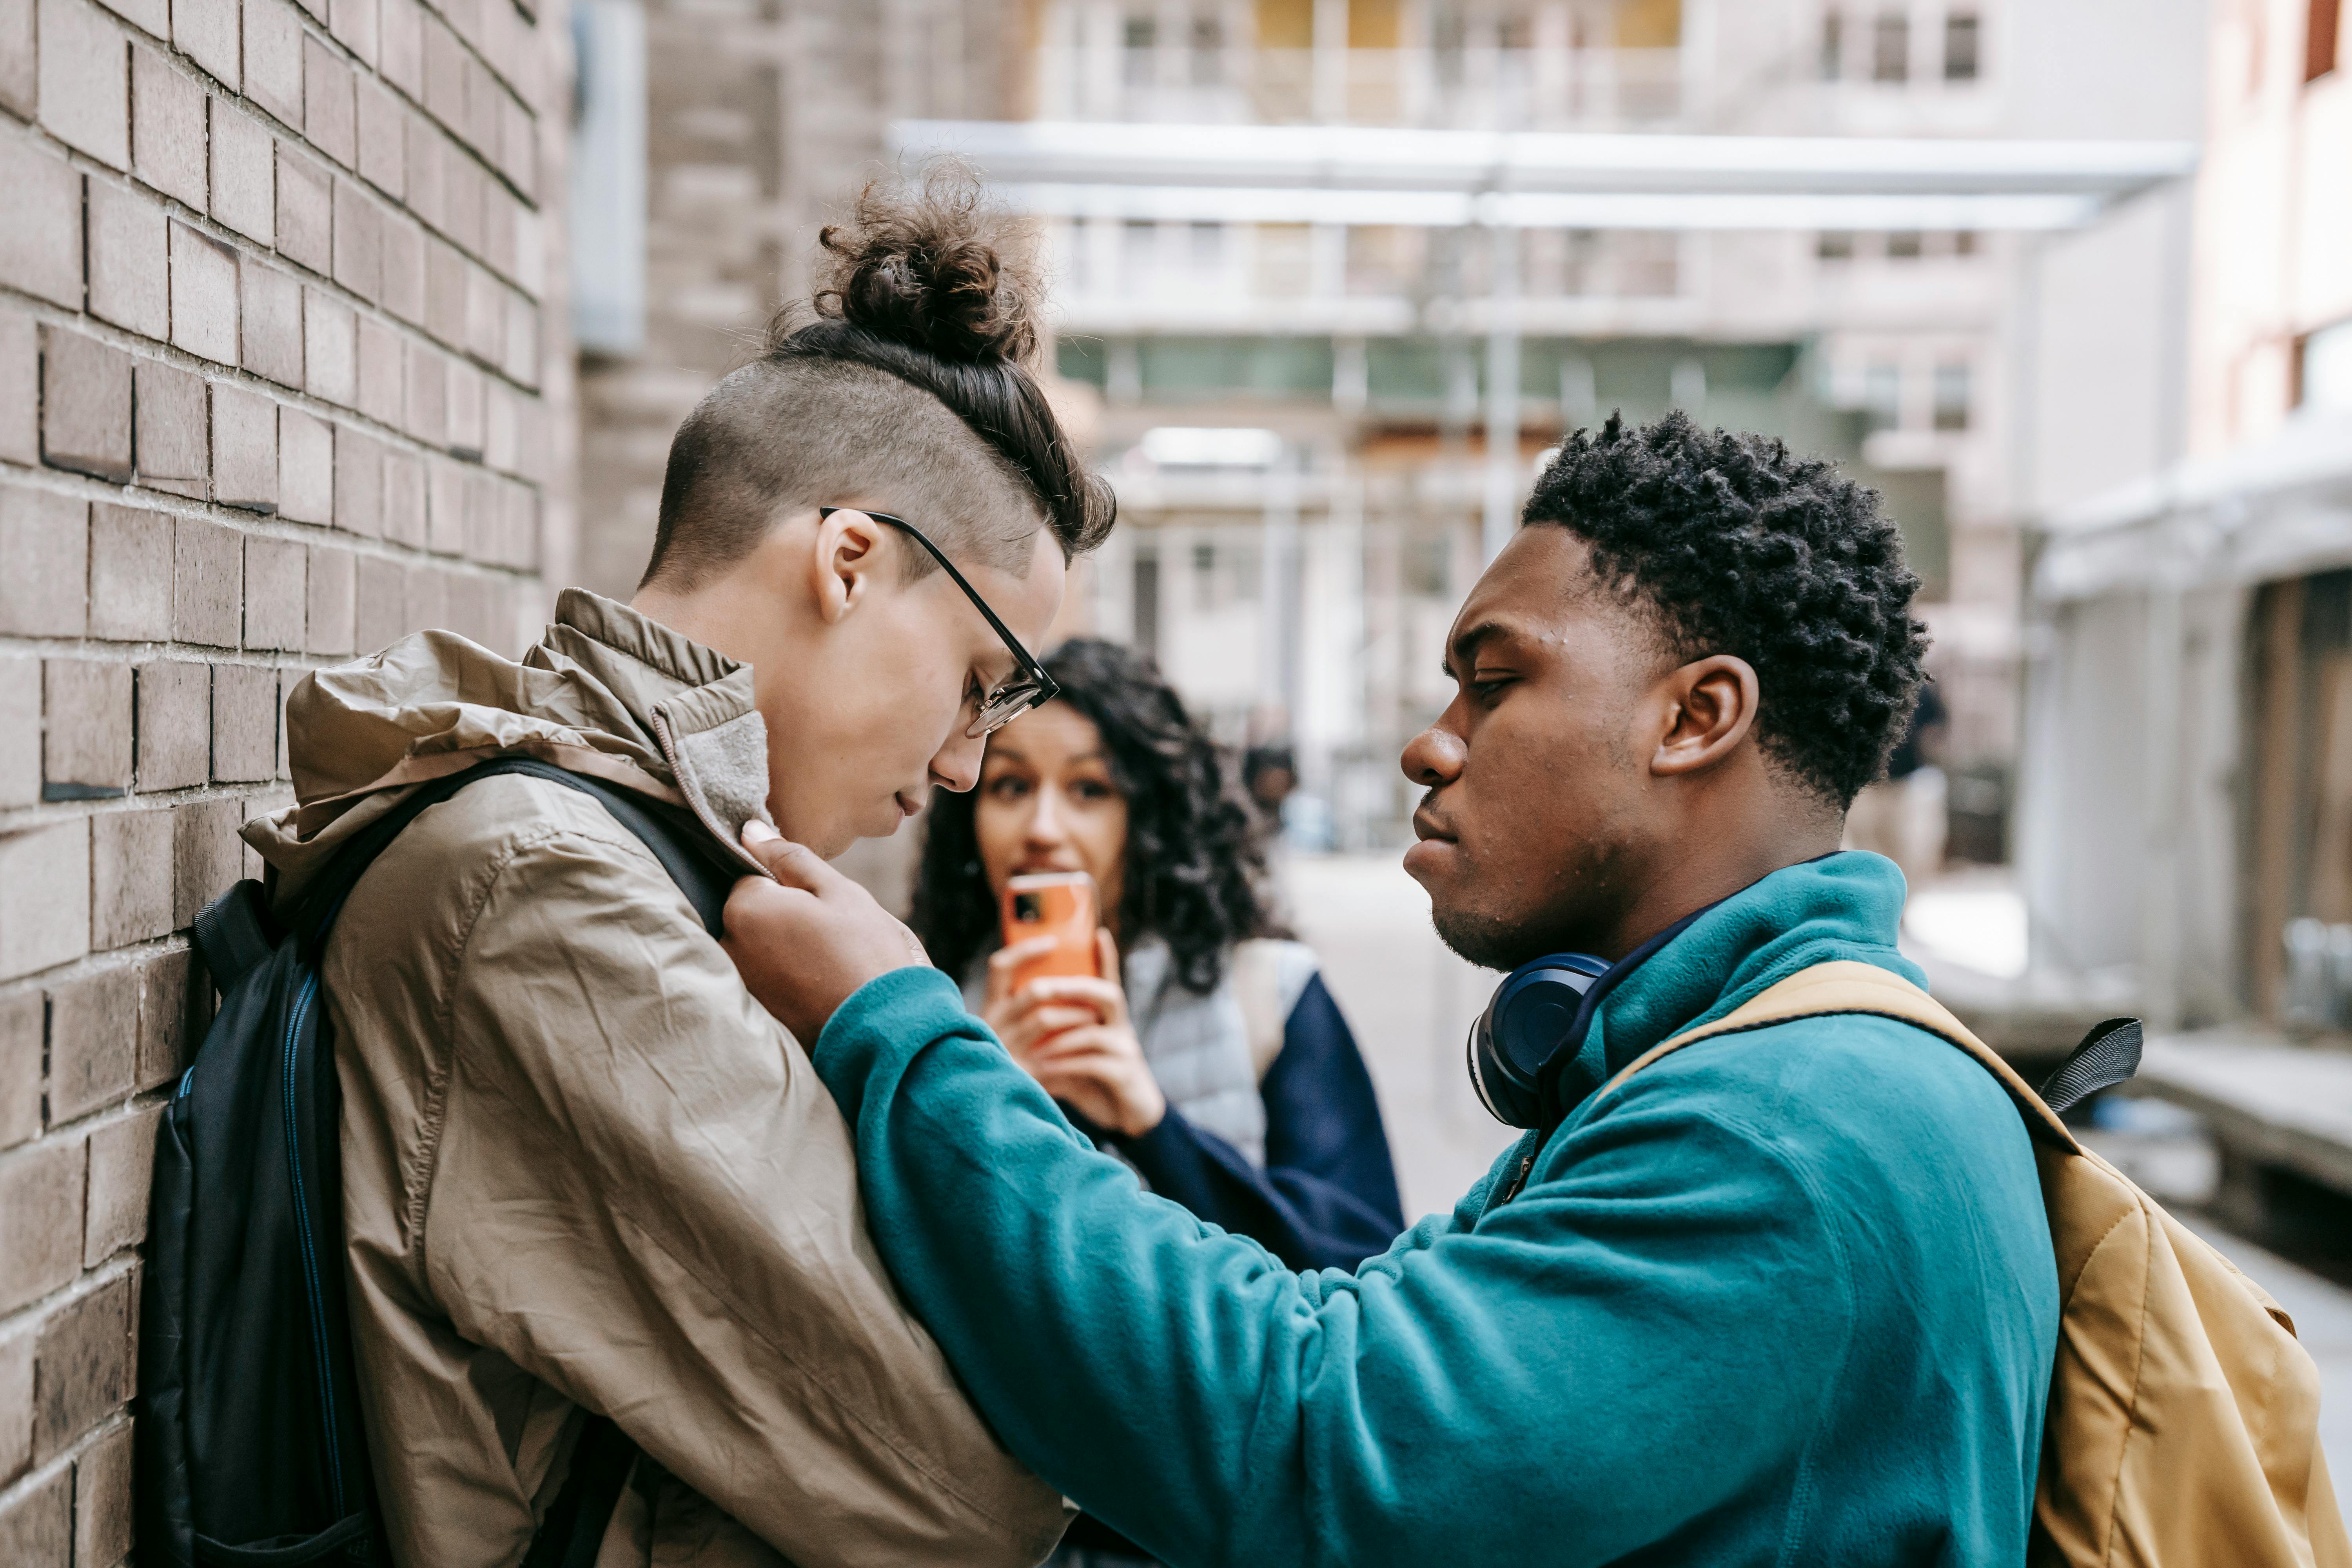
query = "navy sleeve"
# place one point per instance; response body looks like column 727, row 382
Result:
column 1328, row 1197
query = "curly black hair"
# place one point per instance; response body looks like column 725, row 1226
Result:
column 1741, row 547
column 1193, row 861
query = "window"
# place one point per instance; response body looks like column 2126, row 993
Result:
column 1881, row 395
column 1960, row 47
column 1138, row 244
column 1833, row 245
column 1833, row 45
column 1208, row 245
column 1208, row 51
column 1142, row 38
column 2321, row 39
column 1952, row 396
column 1904, row 245
column 1890, row 47
column 1964, row 242
column 2324, row 368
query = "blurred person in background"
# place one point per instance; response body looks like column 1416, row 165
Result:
column 1211, row 1058
column 1903, row 815
column 1217, row 1062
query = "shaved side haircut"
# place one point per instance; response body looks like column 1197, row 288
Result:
column 906, row 377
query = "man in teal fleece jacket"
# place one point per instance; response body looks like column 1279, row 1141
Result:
column 1785, row 1298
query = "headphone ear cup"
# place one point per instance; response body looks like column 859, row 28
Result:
column 1497, row 1082
column 1531, row 1017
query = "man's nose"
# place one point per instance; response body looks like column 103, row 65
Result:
column 957, row 767
column 1434, row 757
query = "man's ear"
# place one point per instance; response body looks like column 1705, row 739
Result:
column 1710, row 706
column 843, row 568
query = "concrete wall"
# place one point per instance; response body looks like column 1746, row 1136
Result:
column 273, row 390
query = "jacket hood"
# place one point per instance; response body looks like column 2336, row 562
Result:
column 1842, row 906
column 605, row 691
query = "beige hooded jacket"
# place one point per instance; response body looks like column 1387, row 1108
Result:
column 581, row 1167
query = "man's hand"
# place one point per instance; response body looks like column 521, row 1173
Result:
column 805, row 941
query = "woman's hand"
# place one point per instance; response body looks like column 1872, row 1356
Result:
column 1071, row 1034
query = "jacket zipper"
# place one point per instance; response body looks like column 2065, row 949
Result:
column 660, row 726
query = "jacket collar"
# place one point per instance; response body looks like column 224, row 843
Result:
column 1843, row 906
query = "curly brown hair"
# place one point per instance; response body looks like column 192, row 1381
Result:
column 1193, row 859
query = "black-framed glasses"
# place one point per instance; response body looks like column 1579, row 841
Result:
column 1027, row 686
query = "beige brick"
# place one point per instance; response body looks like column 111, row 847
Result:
column 486, row 324
column 175, row 430
column 203, row 295
column 103, row 1495
column 426, row 185
column 403, row 288
column 517, row 144
column 23, row 1017
column 521, row 361
column 423, row 598
column 43, row 550
column 37, row 1527
column 244, row 174
column 20, row 389
column 482, row 91
column 176, row 733
column 331, row 368
column 383, row 146
column 85, row 405
column 501, row 428
column 498, row 209
column 444, row 75
column 19, row 60
column 273, row 58
column 44, row 900
column 359, row 241
column 444, row 292
column 207, row 588
column 381, row 395
column 328, row 121
column 165, row 1025
column 305, row 476
column 129, row 282
column 402, row 46
column 167, row 126
column 245, row 448
column 130, row 573
column 403, row 499
column 444, row 488
column 466, row 411
column 20, row 732
column 427, row 416
column 305, row 210
column 270, row 308
column 82, row 1370
column 329, row 630
column 86, row 731
column 206, row 32
column 461, row 199
column 287, row 680
column 380, row 621
column 359, row 483
column 245, row 724
column 93, row 1040
column 86, row 80
column 129, row 877
column 353, row 22
column 207, row 856
column 273, row 594
column 40, row 245
column 41, row 1194
column 470, row 610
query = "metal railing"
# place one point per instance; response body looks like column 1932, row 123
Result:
column 1467, row 88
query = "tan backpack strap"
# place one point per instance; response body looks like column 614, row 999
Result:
column 1845, row 986
column 1258, row 986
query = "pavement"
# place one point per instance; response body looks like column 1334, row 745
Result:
column 1411, row 1002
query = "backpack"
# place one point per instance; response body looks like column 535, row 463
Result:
column 249, row 1443
column 2182, row 1427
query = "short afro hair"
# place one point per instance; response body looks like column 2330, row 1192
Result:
column 1739, row 546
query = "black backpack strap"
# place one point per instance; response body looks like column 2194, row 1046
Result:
column 234, row 932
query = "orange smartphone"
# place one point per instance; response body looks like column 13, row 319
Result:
column 1060, row 904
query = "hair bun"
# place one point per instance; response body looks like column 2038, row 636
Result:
column 930, row 265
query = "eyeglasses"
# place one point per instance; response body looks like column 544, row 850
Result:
column 1027, row 686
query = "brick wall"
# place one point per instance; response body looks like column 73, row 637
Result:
column 278, row 375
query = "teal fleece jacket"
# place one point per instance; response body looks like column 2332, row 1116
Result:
column 1786, row 1297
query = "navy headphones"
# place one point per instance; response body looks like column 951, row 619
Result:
column 1532, row 1016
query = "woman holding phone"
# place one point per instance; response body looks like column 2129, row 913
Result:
column 1206, row 1051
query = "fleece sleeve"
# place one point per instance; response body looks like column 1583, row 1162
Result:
column 1531, row 1388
